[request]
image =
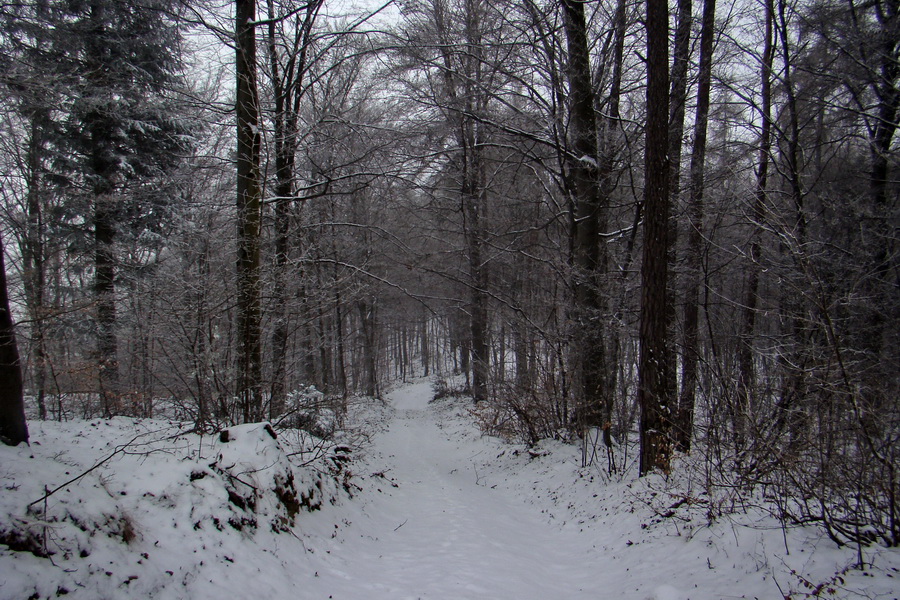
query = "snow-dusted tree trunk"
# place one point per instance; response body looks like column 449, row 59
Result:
column 589, row 199
column 249, row 214
column 653, row 377
column 34, row 255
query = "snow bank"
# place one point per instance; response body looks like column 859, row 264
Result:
column 124, row 508
column 258, row 477
column 672, row 538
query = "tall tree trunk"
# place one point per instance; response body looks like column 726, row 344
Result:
column 104, row 292
column 473, row 206
column 465, row 345
column 888, row 94
column 103, row 168
column 474, row 198
column 653, row 377
column 288, row 90
column 370, row 350
column 284, row 191
column 746, row 376
column 684, row 422
column 33, row 257
column 590, row 206
column 609, row 152
column 13, row 428
column 425, row 347
column 340, row 364
column 323, row 343
column 887, row 91
column 681, row 54
column 463, row 82
column 202, row 360
column 794, row 362
column 249, row 215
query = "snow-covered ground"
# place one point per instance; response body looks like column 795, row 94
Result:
column 438, row 512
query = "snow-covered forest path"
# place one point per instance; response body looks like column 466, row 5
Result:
column 439, row 512
column 446, row 534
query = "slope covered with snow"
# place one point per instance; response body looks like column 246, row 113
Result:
column 136, row 509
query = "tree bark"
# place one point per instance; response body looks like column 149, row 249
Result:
column 425, row 347
column 886, row 86
column 474, row 197
column 249, row 215
column 653, row 376
column 33, row 258
column 103, row 171
column 104, row 292
column 684, row 422
column 284, row 191
column 888, row 94
column 609, row 152
column 13, row 428
column 746, row 376
column 287, row 90
column 473, row 202
column 587, row 187
column 366, row 310
column 681, row 54
column 678, row 98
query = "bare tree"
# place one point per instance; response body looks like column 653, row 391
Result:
column 694, row 252
column 289, row 45
column 746, row 376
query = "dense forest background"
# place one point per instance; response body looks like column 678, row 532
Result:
column 621, row 222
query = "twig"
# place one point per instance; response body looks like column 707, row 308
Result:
column 46, row 495
column 400, row 525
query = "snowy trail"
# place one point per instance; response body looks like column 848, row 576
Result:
column 447, row 536
column 468, row 519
